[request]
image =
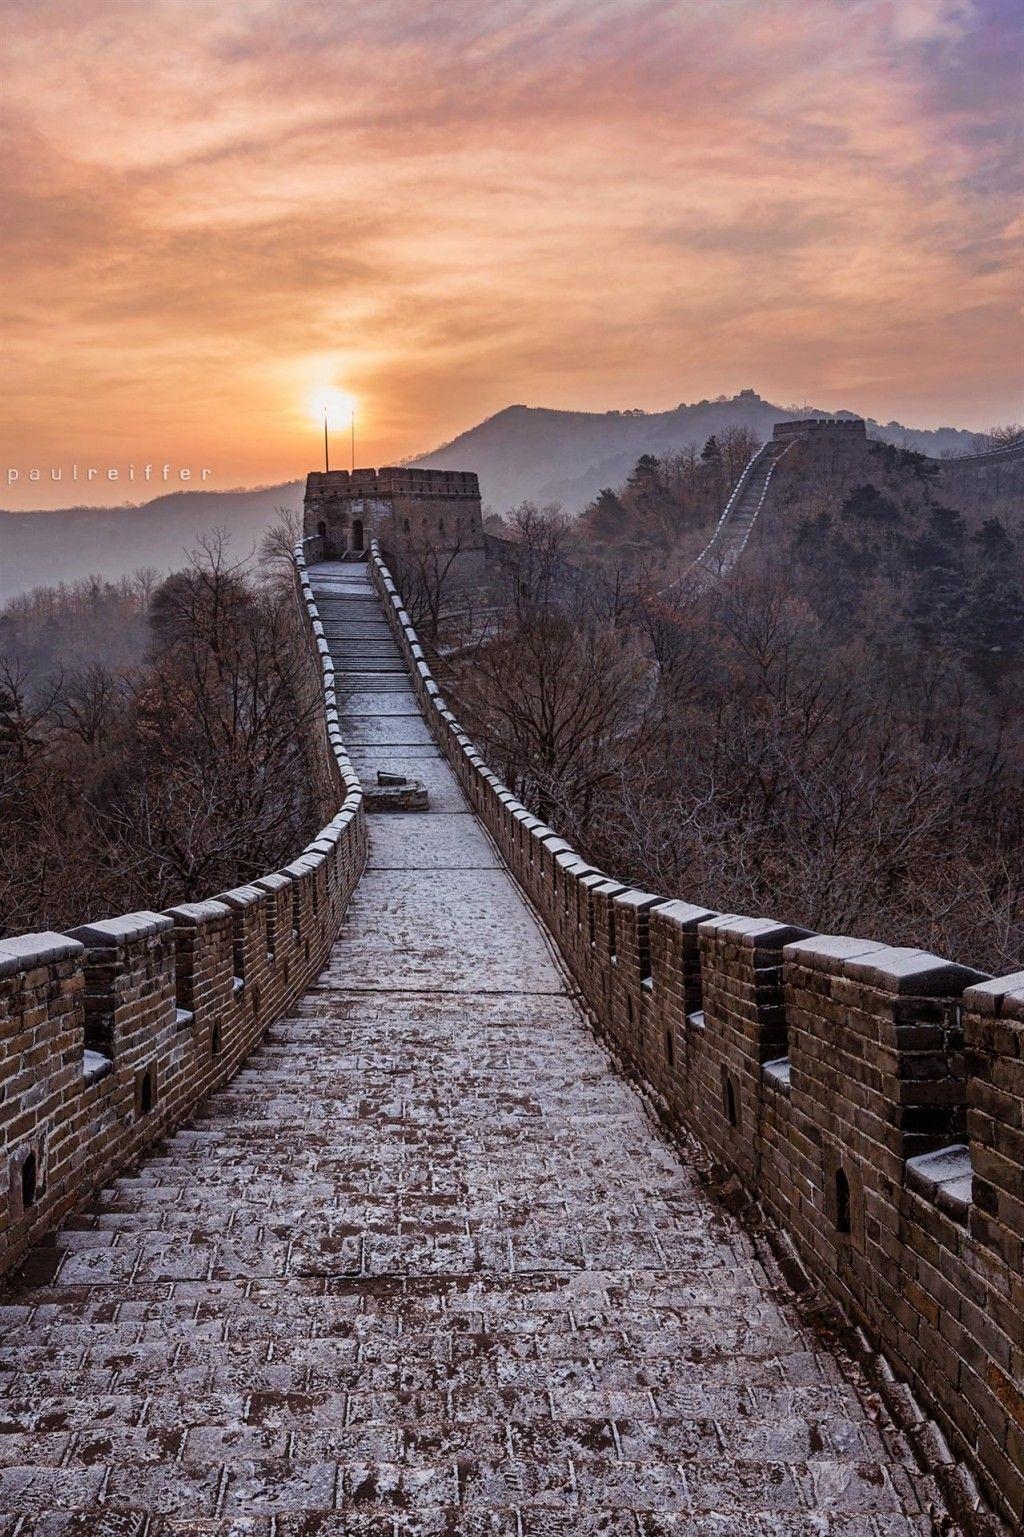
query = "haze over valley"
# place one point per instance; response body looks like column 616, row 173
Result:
column 523, row 453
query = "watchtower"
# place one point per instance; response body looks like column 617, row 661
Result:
column 840, row 429
column 400, row 507
column 827, row 446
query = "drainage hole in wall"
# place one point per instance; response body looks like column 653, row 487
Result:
column 28, row 1182
column 730, row 1102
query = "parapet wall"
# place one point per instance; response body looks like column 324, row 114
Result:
column 853, row 427
column 869, row 1099
column 111, row 1034
column 396, row 480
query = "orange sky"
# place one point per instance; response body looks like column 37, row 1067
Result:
column 214, row 209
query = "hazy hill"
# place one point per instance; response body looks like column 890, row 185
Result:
column 567, row 456
column 523, row 452
column 39, row 548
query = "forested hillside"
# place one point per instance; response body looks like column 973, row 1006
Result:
column 150, row 742
column 833, row 736
column 522, row 453
column 530, row 453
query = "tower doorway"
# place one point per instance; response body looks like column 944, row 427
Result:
column 357, row 533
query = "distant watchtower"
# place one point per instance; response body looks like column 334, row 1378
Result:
column 845, row 429
column 824, row 446
column 437, row 509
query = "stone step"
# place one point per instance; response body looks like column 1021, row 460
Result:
column 345, row 660
column 743, row 1492
column 369, row 646
column 340, row 594
column 364, row 614
column 336, row 637
column 386, row 666
column 331, row 613
column 349, row 613
column 348, row 661
column 340, row 643
column 357, row 683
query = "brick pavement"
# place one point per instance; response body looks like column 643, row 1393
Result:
column 426, row 1267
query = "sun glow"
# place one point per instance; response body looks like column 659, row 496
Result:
column 338, row 406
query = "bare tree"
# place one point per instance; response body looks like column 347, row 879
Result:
column 427, row 575
column 201, row 766
column 1003, row 436
column 277, row 547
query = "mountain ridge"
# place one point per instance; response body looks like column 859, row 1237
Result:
column 67, row 544
column 543, row 454
column 521, row 452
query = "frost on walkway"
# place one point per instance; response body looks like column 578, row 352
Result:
column 424, row 1267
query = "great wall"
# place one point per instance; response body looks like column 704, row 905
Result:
column 842, row 445
column 327, row 1211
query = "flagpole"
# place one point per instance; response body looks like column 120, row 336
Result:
column 327, row 457
column 353, row 438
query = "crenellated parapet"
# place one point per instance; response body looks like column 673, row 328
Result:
column 869, row 1100
column 110, row 1035
column 344, row 510
column 820, row 426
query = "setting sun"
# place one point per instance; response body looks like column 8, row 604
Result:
column 338, row 406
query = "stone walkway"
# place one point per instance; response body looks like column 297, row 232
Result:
column 424, row 1267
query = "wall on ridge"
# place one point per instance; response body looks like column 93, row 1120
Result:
column 112, row 1033
column 870, row 1099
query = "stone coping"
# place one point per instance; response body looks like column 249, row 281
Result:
column 779, row 1073
column 894, row 968
column 944, row 1176
column 641, row 901
column 110, row 932
column 24, row 952
column 199, row 912
column 1002, row 996
column 241, row 897
column 685, row 914
column 762, row 935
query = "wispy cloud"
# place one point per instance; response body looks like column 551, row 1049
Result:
column 576, row 202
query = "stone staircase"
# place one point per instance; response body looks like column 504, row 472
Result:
column 735, row 526
column 365, row 655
